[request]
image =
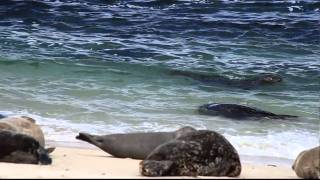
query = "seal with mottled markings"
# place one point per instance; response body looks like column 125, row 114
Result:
column 21, row 148
column 307, row 164
column 132, row 145
column 199, row 153
column 235, row 111
column 24, row 125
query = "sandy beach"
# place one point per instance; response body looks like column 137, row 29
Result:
column 90, row 162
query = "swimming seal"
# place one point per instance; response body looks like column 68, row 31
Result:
column 24, row 125
column 244, row 83
column 199, row 153
column 307, row 164
column 21, row 148
column 236, row 111
column 132, row 145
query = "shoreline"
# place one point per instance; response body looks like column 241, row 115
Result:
column 81, row 162
column 251, row 159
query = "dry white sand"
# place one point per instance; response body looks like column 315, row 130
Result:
column 76, row 162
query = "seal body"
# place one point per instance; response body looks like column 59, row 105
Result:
column 24, row 125
column 243, row 83
column 236, row 111
column 132, row 145
column 21, row 148
column 307, row 164
column 2, row 116
column 199, row 153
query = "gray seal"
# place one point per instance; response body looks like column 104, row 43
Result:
column 132, row 145
column 307, row 164
column 243, row 83
column 21, row 148
column 199, row 153
column 235, row 111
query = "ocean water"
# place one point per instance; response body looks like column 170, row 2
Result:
column 104, row 67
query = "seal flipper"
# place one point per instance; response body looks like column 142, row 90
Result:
column 155, row 168
column 50, row 149
column 43, row 156
column 89, row 138
column 281, row 116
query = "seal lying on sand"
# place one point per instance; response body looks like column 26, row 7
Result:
column 307, row 164
column 199, row 153
column 2, row 116
column 21, row 148
column 132, row 145
column 24, row 125
column 236, row 111
column 247, row 83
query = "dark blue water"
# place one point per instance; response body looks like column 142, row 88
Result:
column 105, row 64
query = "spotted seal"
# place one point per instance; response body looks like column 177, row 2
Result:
column 24, row 125
column 307, row 164
column 236, row 111
column 132, row 145
column 199, row 153
column 21, row 148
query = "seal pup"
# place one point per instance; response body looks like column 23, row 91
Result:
column 236, row 111
column 21, row 148
column 132, row 145
column 199, row 153
column 307, row 164
column 244, row 83
column 24, row 125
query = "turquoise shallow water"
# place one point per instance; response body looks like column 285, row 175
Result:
column 105, row 67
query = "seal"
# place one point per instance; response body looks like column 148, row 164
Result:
column 24, row 125
column 132, row 145
column 235, row 111
column 2, row 116
column 199, row 153
column 307, row 164
column 21, row 148
column 244, row 83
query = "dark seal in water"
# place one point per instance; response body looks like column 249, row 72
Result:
column 199, row 153
column 236, row 111
column 244, row 83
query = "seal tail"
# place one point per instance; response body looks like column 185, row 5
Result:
column 282, row 116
